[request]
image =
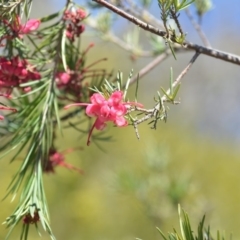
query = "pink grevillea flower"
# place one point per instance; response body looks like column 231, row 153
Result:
column 20, row 29
column 58, row 159
column 112, row 109
column 62, row 79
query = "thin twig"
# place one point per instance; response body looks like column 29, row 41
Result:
column 150, row 66
column 152, row 112
column 175, row 18
column 198, row 29
column 128, row 47
column 182, row 74
column 131, row 18
column 109, row 36
column 153, row 64
column 203, row 50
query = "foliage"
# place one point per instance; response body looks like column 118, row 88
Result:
column 186, row 230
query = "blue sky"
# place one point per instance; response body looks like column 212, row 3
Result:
column 224, row 12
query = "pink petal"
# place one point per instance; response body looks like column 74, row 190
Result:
column 115, row 98
column 30, row 26
column 105, row 111
column 99, row 125
column 97, row 98
column 82, row 14
column 121, row 122
column 63, row 78
column 118, row 110
column 93, row 110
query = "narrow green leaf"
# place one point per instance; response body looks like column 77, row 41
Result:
column 171, row 81
column 63, row 50
column 127, row 84
column 109, row 88
column 57, row 114
column 49, row 17
column 136, row 89
column 162, row 234
column 184, row 4
column 166, row 94
column 172, row 50
column 38, row 89
column 181, row 223
column 176, row 91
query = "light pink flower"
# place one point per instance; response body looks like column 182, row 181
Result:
column 15, row 71
column 56, row 158
column 73, row 20
column 62, row 78
column 29, row 26
column 112, row 109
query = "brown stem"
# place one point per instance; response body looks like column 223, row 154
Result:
column 175, row 18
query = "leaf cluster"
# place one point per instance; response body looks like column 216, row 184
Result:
column 170, row 9
column 186, row 231
column 33, row 130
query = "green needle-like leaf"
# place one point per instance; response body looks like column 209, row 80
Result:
column 50, row 17
column 176, row 91
column 136, row 89
column 63, row 50
column 172, row 49
column 169, row 97
column 171, row 81
column 127, row 84
column 162, row 234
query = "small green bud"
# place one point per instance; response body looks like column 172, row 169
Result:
column 203, row 6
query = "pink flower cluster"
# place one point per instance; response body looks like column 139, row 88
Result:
column 73, row 20
column 72, row 83
column 15, row 71
column 112, row 109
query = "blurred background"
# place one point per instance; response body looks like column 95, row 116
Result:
column 129, row 186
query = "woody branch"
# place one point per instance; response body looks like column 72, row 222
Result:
column 228, row 57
